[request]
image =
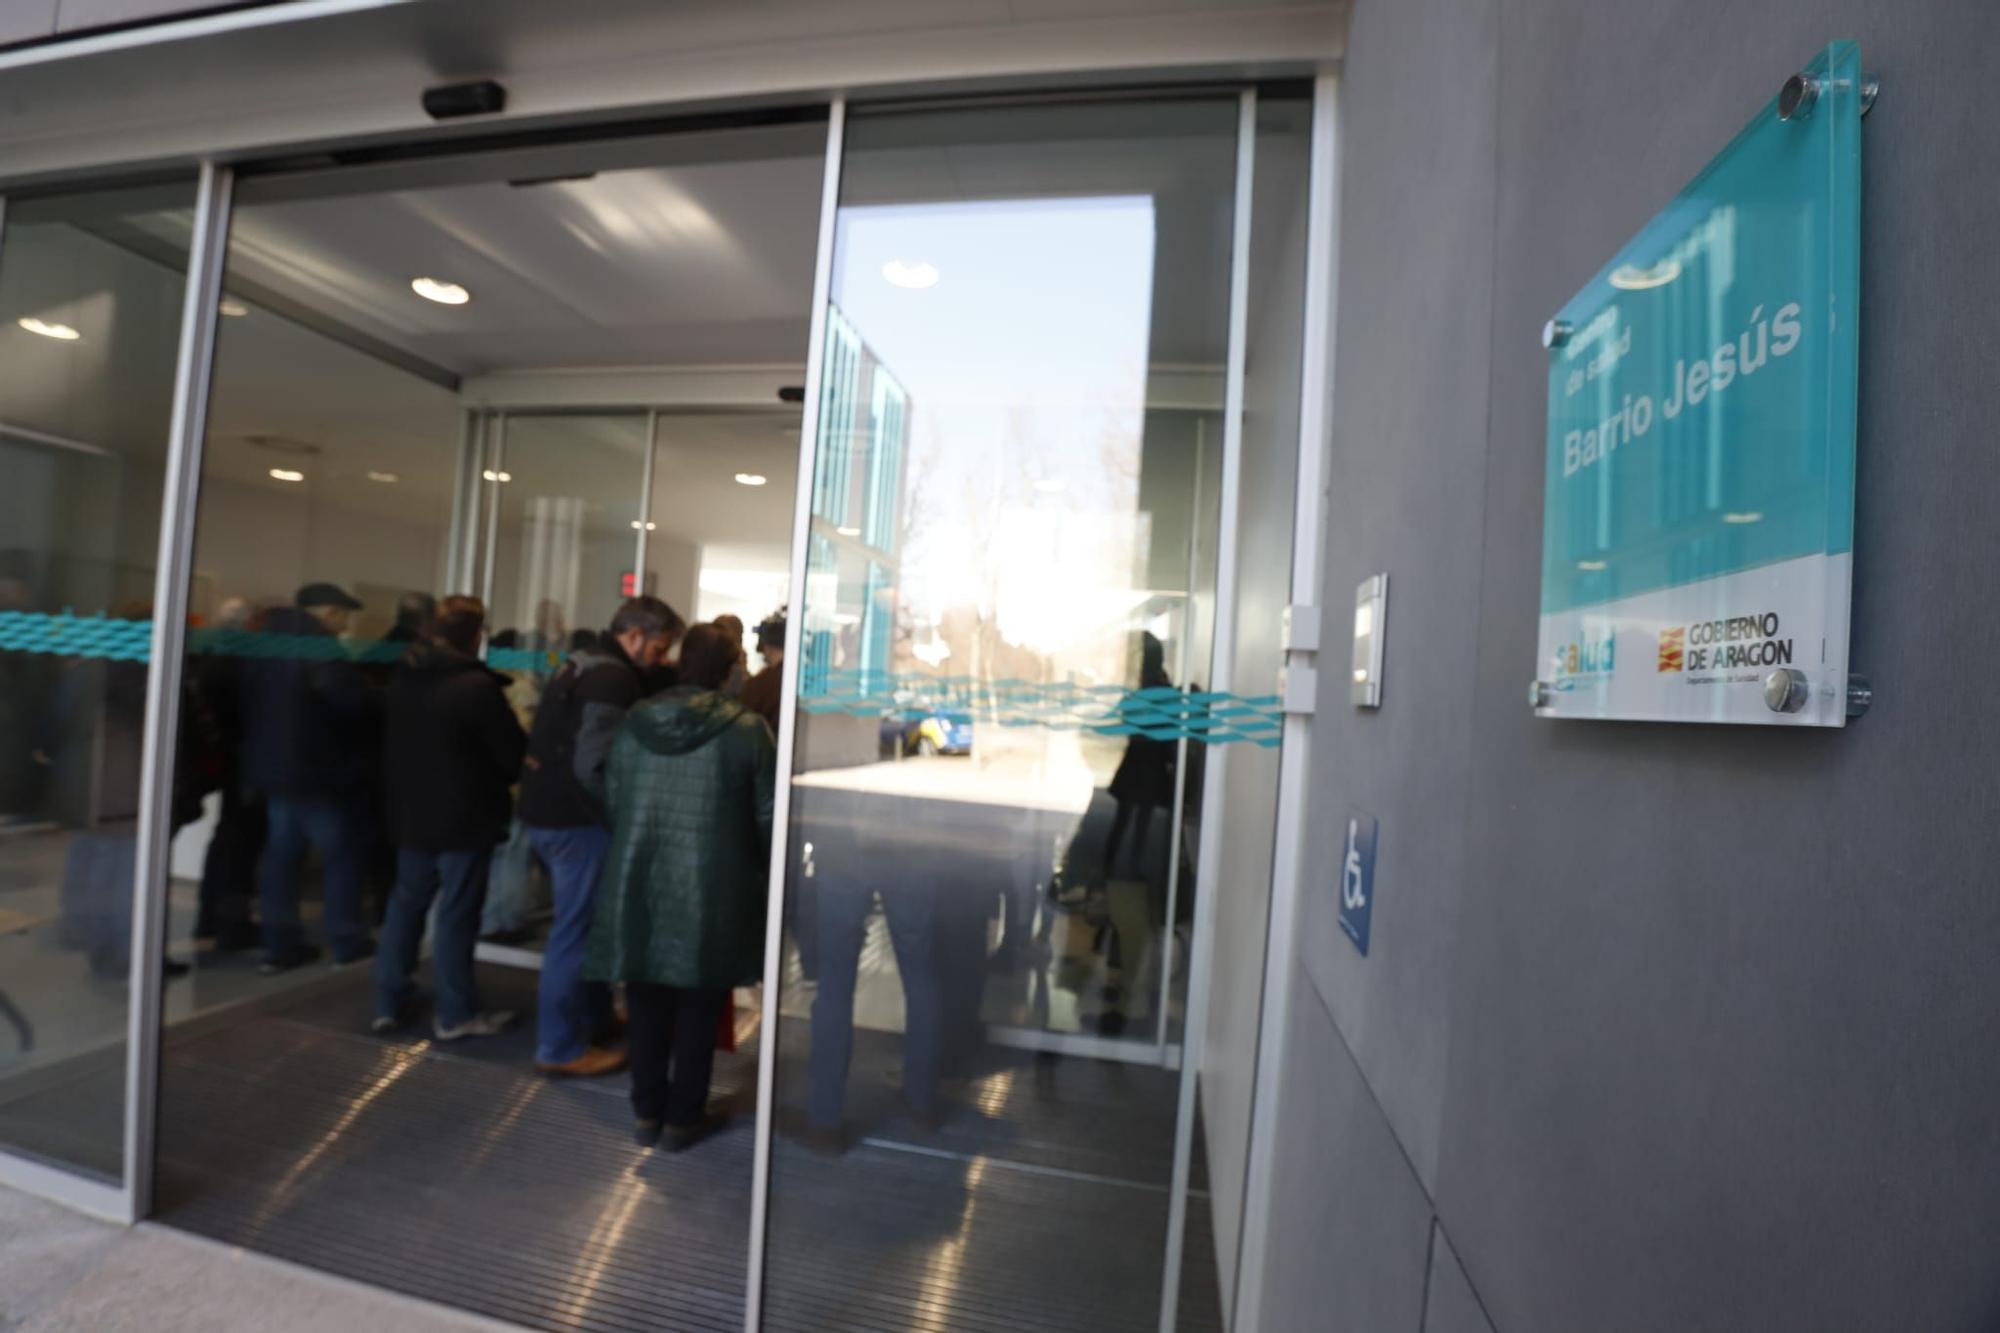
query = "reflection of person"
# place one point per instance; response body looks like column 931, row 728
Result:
column 680, row 914
column 1134, row 878
column 454, row 751
column 97, row 736
column 24, row 692
column 308, row 714
column 229, row 866
column 763, row 691
column 562, row 804
column 849, row 870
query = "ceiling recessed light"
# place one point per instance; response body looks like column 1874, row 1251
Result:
column 1590, row 565
column 436, row 289
column 286, row 474
column 233, row 309
column 383, row 476
column 648, row 526
column 491, row 475
column 60, row 332
column 1751, row 516
column 751, row 479
column 848, row 532
column 912, row 276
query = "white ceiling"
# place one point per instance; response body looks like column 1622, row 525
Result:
column 703, row 264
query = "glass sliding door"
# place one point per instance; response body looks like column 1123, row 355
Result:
column 1239, row 816
column 452, row 377
column 92, row 287
column 1008, row 617
column 570, row 507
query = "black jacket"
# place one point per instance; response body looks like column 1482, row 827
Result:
column 578, row 717
column 307, row 713
column 453, row 749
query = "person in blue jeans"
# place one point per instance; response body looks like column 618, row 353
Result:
column 453, row 752
column 563, row 807
column 307, row 714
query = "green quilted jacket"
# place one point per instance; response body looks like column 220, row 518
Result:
column 681, row 901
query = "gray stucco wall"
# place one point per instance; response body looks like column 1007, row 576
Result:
column 1671, row 1027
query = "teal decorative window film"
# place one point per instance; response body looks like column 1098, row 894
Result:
column 1161, row 713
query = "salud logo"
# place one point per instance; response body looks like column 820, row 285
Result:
column 1673, row 646
column 1593, row 654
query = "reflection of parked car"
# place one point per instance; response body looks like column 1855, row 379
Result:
column 926, row 733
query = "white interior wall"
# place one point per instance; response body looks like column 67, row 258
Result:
column 262, row 543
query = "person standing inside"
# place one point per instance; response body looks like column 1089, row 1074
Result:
column 562, row 806
column 308, row 713
column 739, row 675
column 763, row 691
column 452, row 753
column 680, row 912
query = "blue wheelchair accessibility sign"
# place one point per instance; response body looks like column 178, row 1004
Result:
column 1357, row 877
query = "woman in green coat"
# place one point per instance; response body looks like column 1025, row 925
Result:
column 680, row 907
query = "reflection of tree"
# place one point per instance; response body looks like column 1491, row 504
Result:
column 959, row 496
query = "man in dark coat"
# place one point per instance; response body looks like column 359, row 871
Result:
column 763, row 692
column 562, row 805
column 307, row 712
column 453, row 752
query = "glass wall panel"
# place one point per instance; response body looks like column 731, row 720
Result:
column 1008, row 614
column 1244, row 802
column 90, row 310
column 570, row 506
column 435, row 378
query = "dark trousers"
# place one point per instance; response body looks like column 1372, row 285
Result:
column 229, row 870
column 670, row 1040
column 456, row 881
column 336, row 829
column 842, row 918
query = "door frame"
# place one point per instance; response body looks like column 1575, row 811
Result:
column 132, row 1199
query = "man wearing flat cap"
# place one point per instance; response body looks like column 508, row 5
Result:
column 307, row 715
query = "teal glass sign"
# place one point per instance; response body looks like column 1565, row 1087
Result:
column 1698, row 507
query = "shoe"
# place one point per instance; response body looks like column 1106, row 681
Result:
column 479, row 1025
column 679, row 1138
column 275, row 963
column 593, row 1063
column 646, row 1133
column 358, row 953
column 510, row 935
column 383, row 1024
